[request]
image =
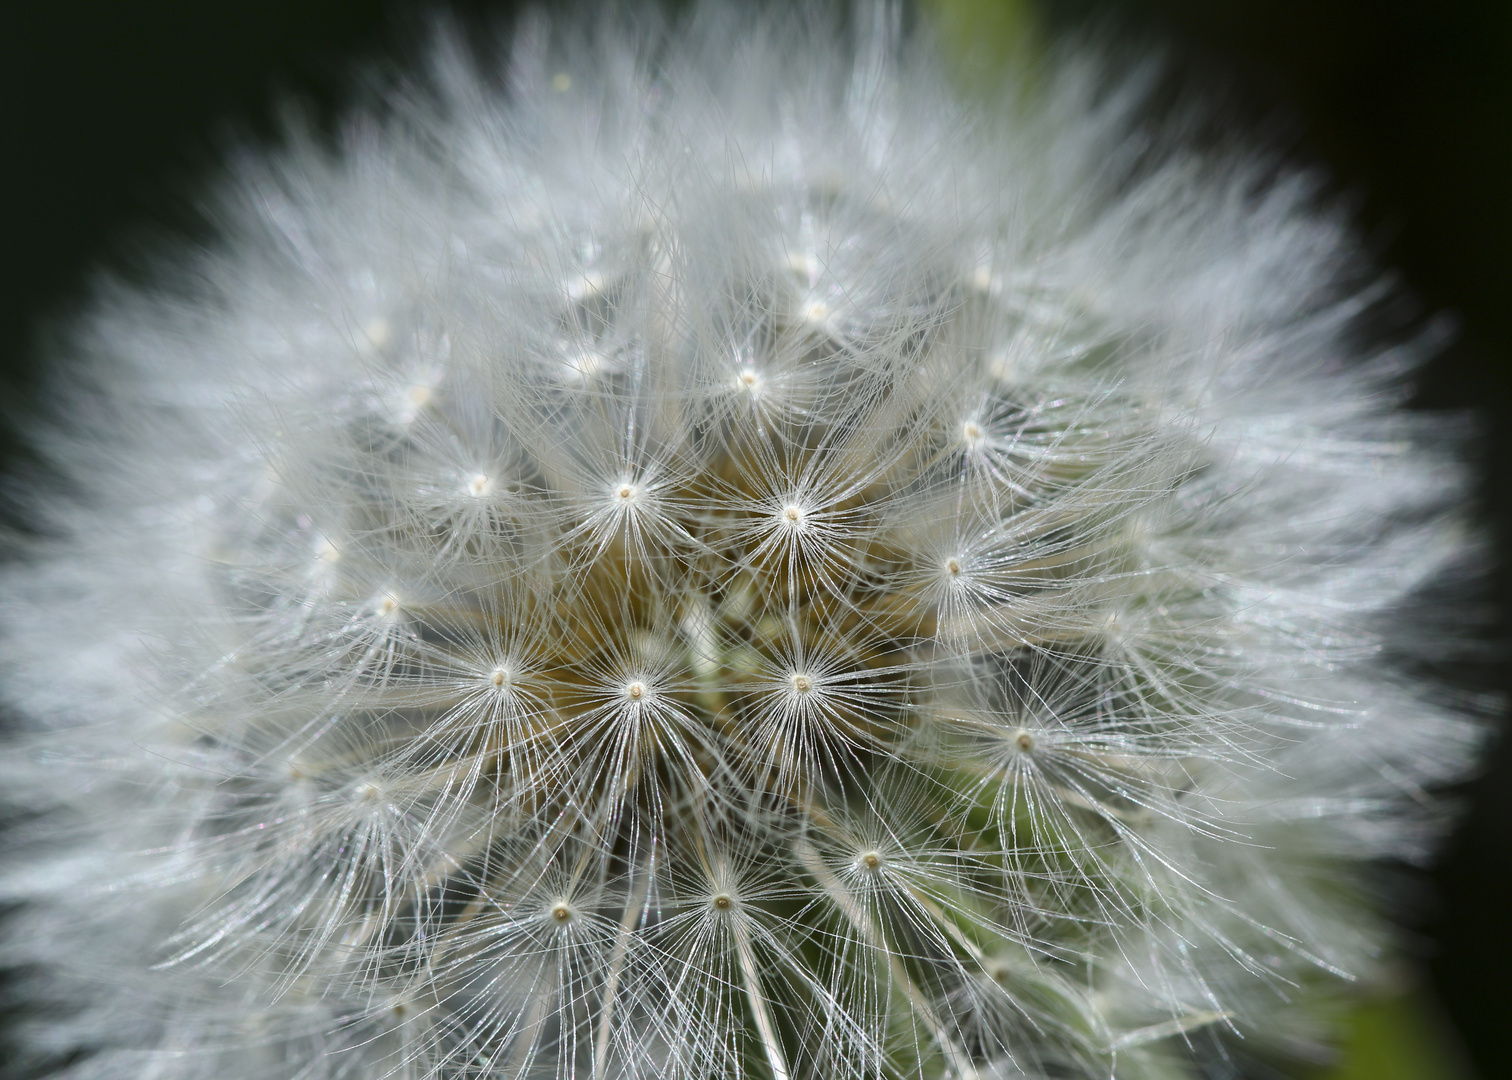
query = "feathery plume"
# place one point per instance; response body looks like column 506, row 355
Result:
column 719, row 558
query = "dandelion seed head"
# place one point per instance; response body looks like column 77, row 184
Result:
column 721, row 558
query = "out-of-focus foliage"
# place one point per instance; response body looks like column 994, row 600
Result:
column 1397, row 1038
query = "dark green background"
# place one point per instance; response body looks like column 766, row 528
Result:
column 112, row 114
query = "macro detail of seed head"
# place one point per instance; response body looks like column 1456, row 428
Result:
column 718, row 558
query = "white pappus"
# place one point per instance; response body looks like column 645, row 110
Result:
column 712, row 555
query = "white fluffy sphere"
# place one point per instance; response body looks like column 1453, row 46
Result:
column 719, row 558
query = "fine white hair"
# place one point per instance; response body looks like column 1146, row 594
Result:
column 715, row 555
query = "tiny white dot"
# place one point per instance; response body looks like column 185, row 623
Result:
column 793, row 513
column 377, row 332
column 816, row 311
column 583, row 364
column 1024, row 741
column 802, row 683
column 586, row 286
column 870, row 860
column 952, row 566
column 971, row 431
column 723, row 902
column 561, row 82
column 635, row 691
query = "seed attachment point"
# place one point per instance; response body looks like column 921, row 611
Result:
column 815, row 312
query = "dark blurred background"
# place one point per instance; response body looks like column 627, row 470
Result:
column 113, row 112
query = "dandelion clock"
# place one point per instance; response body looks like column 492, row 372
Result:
column 695, row 552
